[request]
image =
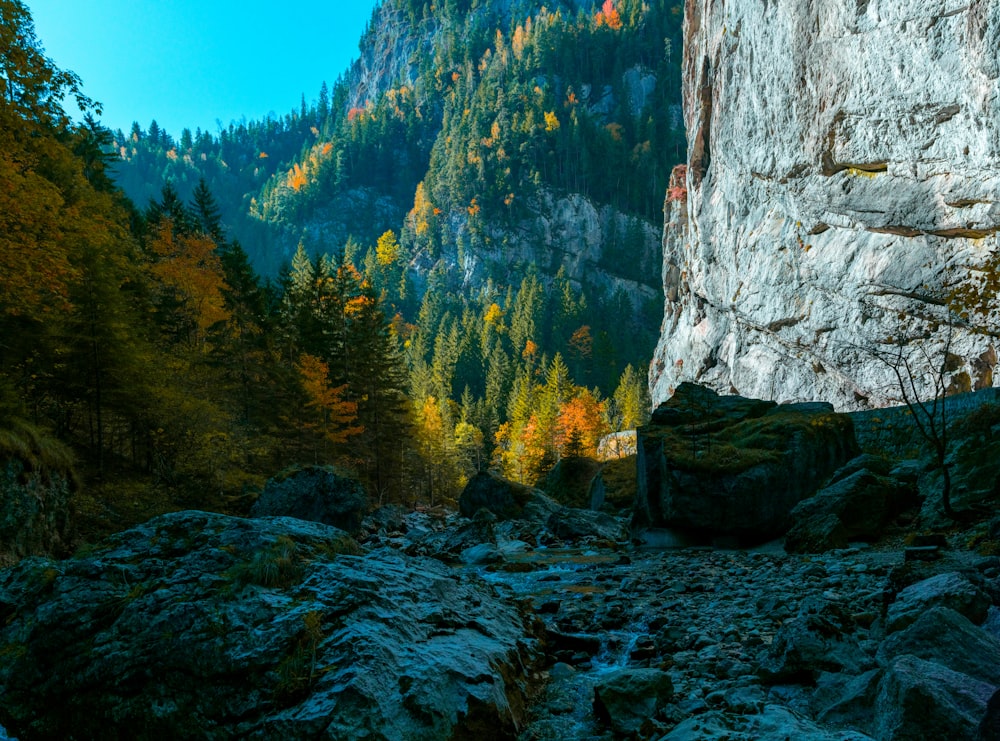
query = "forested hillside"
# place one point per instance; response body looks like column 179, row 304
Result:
column 496, row 171
column 466, row 228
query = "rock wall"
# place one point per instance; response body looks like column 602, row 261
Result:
column 34, row 511
column 843, row 172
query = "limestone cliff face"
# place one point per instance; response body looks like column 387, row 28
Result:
column 843, row 173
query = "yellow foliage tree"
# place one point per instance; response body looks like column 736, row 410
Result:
column 387, row 249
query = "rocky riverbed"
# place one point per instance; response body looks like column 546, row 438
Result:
column 443, row 627
column 702, row 643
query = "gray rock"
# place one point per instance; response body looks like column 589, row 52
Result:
column 725, row 465
column 777, row 723
column 819, row 639
column 569, row 523
column 390, row 518
column 255, row 628
column 950, row 590
column 945, row 637
column 923, row 700
column 848, row 701
column 484, row 553
column 829, row 189
column 816, row 534
column 876, row 464
column 712, row 726
column 315, row 493
column 448, row 544
column 539, row 508
column 862, row 501
column 627, row 698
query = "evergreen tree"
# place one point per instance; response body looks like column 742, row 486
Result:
column 206, row 211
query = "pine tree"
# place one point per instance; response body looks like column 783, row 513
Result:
column 205, row 211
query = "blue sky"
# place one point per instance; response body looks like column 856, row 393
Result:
column 189, row 63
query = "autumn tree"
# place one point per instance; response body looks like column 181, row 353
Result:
column 580, row 425
column 334, row 416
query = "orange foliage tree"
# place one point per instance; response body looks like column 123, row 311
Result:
column 608, row 16
column 580, row 425
column 335, row 417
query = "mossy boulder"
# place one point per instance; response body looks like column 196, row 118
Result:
column 571, row 479
column 615, row 486
column 198, row 625
column 37, row 483
column 727, row 465
column 314, row 493
column 504, row 498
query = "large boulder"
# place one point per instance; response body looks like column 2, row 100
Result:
column 921, row 699
column 819, row 639
column 570, row 480
column 569, row 523
column 627, row 698
column 315, row 493
column 450, row 543
column 504, row 498
column 945, row 637
column 952, row 590
column 726, row 465
column 197, row 625
column 862, row 503
column 615, row 485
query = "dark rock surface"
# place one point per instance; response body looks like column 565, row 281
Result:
column 570, row 481
column 952, row 590
column 505, row 499
column 921, row 699
column 569, row 523
column 819, row 639
column 315, row 493
column 726, row 465
column 627, row 699
column 947, row 638
column 205, row 626
column 862, row 502
column 34, row 510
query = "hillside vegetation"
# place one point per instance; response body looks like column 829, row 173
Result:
column 423, row 324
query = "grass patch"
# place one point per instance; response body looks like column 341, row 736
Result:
column 298, row 672
column 38, row 451
column 279, row 566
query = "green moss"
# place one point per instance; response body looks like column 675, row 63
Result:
column 718, row 448
column 620, row 482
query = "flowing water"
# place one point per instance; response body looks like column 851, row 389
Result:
column 585, row 583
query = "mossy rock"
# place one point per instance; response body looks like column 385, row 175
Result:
column 569, row 482
column 735, row 466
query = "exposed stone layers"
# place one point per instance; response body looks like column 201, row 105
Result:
column 844, row 170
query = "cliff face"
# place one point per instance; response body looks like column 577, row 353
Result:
column 844, row 172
